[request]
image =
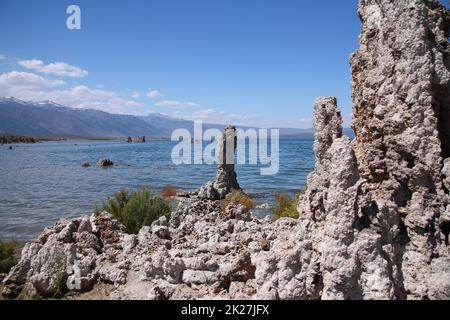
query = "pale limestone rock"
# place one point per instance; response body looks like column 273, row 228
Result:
column 63, row 259
column 403, row 68
column 226, row 180
column 375, row 209
column 199, row 277
column 446, row 173
column 226, row 176
column 18, row 276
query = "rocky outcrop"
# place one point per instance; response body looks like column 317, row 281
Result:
column 226, row 180
column 377, row 206
column 317, row 259
column 62, row 253
column 105, row 163
column 374, row 219
column 226, row 149
column 10, row 138
column 401, row 90
column 198, row 253
column 136, row 140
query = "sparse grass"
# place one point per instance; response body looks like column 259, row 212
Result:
column 9, row 254
column 286, row 207
column 135, row 209
column 238, row 197
column 169, row 191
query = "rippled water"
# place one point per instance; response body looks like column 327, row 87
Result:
column 43, row 182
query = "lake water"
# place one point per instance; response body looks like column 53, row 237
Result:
column 40, row 183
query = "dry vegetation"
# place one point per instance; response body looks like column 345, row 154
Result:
column 9, row 254
column 286, row 207
column 238, row 197
column 169, row 191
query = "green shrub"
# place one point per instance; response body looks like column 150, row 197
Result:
column 238, row 197
column 9, row 254
column 286, row 207
column 135, row 209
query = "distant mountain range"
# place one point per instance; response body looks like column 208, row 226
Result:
column 50, row 119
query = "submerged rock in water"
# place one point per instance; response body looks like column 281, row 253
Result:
column 105, row 163
column 11, row 138
column 86, row 165
column 136, row 140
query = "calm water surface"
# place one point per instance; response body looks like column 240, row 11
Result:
column 43, row 182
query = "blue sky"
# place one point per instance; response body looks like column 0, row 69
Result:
column 250, row 62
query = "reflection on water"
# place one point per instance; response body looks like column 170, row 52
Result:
column 43, row 182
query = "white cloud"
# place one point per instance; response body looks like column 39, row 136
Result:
column 131, row 104
column 153, row 94
column 214, row 116
column 176, row 104
column 31, row 87
column 61, row 69
column 305, row 121
column 87, row 98
column 119, row 102
column 24, row 80
column 135, row 95
column 79, row 95
column 113, row 105
column 211, row 115
column 73, row 97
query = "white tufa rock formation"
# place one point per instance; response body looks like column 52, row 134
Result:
column 226, row 180
column 379, row 206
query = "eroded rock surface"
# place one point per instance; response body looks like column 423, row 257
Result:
column 105, row 163
column 199, row 253
column 374, row 220
column 226, row 180
column 379, row 205
column 401, row 90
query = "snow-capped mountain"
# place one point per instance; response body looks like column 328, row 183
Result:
column 47, row 118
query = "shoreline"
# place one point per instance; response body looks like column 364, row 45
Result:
column 10, row 139
column 40, row 139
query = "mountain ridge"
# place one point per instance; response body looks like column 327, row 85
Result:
column 47, row 118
